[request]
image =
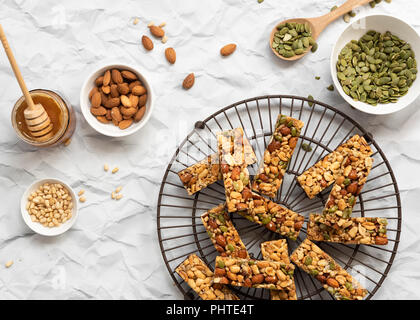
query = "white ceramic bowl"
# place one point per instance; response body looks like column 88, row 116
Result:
column 380, row 23
column 39, row 228
column 109, row 129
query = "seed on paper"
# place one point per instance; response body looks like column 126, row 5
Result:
column 162, row 24
column 113, row 195
column 164, row 39
column 118, row 189
column 106, row 167
column 151, row 24
column 81, row 192
column 8, row 264
column 115, row 170
column 82, row 199
column 118, row 197
column 136, row 20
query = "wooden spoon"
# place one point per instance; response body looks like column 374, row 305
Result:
column 318, row 24
column 37, row 119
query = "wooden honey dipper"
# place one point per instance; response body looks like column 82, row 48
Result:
column 36, row 118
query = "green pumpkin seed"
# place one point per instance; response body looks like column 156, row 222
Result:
column 310, row 103
column 306, row 147
column 330, row 87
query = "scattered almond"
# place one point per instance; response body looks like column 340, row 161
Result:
column 158, row 32
column 147, row 43
column 188, row 81
column 170, row 55
column 228, row 49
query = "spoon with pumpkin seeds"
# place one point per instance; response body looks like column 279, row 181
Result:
column 293, row 38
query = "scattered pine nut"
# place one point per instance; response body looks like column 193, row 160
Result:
column 82, row 199
column 113, row 196
column 136, row 20
column 118, row 197
column 115, row 170
column 118, row 189
column 151, row 24
column 162, row 24
column 164, row 39
column 81, row 192
column 106, row 167
column 8, row 264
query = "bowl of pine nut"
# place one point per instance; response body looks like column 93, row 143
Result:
column 49, row 207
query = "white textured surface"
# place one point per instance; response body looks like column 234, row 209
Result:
column 112, row 251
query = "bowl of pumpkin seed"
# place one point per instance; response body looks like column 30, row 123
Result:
column 373, row 64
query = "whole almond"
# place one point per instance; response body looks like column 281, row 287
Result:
column 228, row 49
column 107, row 78
column 128, row 75
column 92, row 92
column 129, row 112
column 138, row 90
column 170, row 55
column 125, row 124
column 142, row 100
column 134, row 100
column 115, row 122
column 108, row 115
column 133, row 84
column 99, row 81
column 147, row 43
column 101, row 111
column 123, row 88
column 102, row 119
column 125, row 101
column 157, row 31
column 139, row 115
column 114, row 91
column 106, row 89
column 96, row 100
column 116, row 76
column 113, row 102
column 116, row 115
column 104, row 97
column 188, row 81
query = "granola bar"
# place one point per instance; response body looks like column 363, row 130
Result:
column 201, row 279
column 277, row 156
column 324, row 173
column 337, row 281
column 349, row 184
column 207, row 171
column 277, row 251
column 223, row 233
column 234, row 171
column 274, row 217
column 360, row 230
column 254, row 273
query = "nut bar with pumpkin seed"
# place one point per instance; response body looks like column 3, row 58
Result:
column 337, row 281
column 234, row 170
column 207, row 171
column 276, row 250
column 201, row 279
column 277, row 156
column 274, row 217
column 324, row 173
column 360, row 230
column 223, row 233
column 349, row 184
column 254, row 273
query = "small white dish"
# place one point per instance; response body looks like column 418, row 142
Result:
column 380, row 23
column 38, row 227
column 109, row 129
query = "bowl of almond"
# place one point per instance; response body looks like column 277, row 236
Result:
column 116, row 100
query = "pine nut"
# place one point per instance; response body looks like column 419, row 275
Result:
column 136, row 20
column 115, row 170
column 81, row 192
column 118, row 189
column 162, row 24
column 8, row 264
column 164, row 39
column 106, row 167
column 82, row 199
column 118, row 197
column 113, row 195
column 151, row 24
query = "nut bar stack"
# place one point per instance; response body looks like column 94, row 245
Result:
column 360, row 230
column 207, row 171
column 324, row 173
column 349, row 184
column 274, row 217
column 234, row 170
column 200, row 278
column 223, row 233
column 340, row 284
column 277, row 251
column 254, row 273
column 277, row 156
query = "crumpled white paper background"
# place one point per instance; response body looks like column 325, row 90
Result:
column 112, row 251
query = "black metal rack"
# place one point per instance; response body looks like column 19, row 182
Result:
column 181, row 232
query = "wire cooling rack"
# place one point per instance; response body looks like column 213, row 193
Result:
column 179, row 226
